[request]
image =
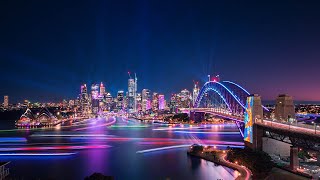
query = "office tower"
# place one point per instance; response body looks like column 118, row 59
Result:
column 155, row 101
column 185, row 99
column 146, row 104
column 162, row 102
column 84, row 99
column 130, row 96
column 109, row 101
column 120, row 99
column 71, row 103
column 195, row 94
column 102, row 89
column 139, row 102
column 173, row 103
column 94, row 91
column 95, row 106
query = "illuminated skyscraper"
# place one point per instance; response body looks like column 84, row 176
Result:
column 185, row 99
column 131, row 97
column 162, row 102
column 95, row 106
column 84, row 99
column 120, row 99
column 155, row 101
column 94, row 91
column 109, row 101
column 71, row 103
column 146, row 100
column 173, row 103
column 6, row 101
column 195, row 93
column 139, row 102
column 132, row 93
column 102, row 89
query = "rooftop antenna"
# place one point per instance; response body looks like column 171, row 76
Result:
column 129, row 74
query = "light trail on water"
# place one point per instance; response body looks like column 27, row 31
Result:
column 178, row 146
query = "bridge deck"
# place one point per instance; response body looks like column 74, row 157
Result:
column 286, row 128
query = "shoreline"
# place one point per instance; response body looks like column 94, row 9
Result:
column 244, row 173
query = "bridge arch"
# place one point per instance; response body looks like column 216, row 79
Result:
column 232, row 95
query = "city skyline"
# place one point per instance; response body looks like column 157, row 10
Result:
column 167, row 46
column 110, row 89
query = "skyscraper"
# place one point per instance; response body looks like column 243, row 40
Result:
column 120, row 99
column 185, row 98
column 155, row 101
column 195, row 93
column 146, row 100
column 94, row 91
column 84, row 99
column 6, row 101
column 102, row 89
column 132, row 93
column 139, row 102
column 131, row 97
column 162, row 102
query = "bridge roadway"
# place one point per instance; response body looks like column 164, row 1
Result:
column 268, row 124
column 220, row 113
column 302, row 129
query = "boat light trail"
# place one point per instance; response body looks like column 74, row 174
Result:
column 56, row 148
column 178, row 146
column 100, row 125
column 201, row 132
column 12, row 139
column 71, row 135
column 36, row 154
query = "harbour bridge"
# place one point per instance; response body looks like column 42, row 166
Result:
column 231, row 101
column 225, row 99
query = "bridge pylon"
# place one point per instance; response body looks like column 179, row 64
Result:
column 253, row 113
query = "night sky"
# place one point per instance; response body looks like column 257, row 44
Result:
column 47, row 49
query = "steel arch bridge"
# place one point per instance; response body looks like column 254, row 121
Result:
column 231, row 97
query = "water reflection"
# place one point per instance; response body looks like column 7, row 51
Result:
column 121, row 159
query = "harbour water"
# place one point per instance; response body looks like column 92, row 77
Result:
column 128, row 149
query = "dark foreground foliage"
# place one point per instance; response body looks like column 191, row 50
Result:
column 258, row 162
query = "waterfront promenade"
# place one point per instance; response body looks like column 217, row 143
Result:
column 220, row 158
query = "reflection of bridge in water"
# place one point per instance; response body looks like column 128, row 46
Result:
column 230, row 101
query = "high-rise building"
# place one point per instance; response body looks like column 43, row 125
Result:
column 95, row 106
column 146, row 100
column 173, row 103
column 155, row 101
column 71, row 103
column 139, row 102
column 162, row 102
column 185, row 99
column 131, row 95
column 6, row 101
column 195, row 94
column 94, row 91
column 84, row 99
column 109, row 102
column 120, row 99
column 102, row 89
column 284, row 110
